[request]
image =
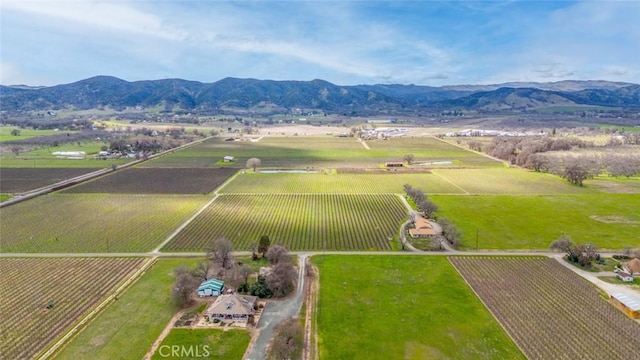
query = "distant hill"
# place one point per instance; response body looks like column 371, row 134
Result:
column 277, row 96
column 529, row 98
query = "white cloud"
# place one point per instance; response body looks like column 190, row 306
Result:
column 115, row 16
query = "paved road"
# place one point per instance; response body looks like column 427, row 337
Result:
column 276, row 312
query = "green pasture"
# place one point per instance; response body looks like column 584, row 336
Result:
column 5, row 197
column 127, row 328
column 508, row 181
column 300, row 222
column 613, row 185
column 609, row 221
column 403, row 307
column 26, row 133
column 43, row 157
column 208, row 343
column 332, row 183
column 93, row 223
column 322, row 152
column 430, row 149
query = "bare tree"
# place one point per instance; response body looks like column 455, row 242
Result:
column 475, row 145
column 220, row 253
column 409, row 158
column 183, row 288
column 288, row 341
column 451, row 233
column 278, row 254
column 253, row 163
column 16, row 150
column 564, row 244
column 282, row 279
column 428, row 207
column 577, row 169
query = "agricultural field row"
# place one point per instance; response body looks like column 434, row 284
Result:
column 17, row 180
column 300, row 222
column 322, row 152
column 157, row 181
column 336, row 183
column 551, row 312
column 494, row 181
column 44, row 297
column 608, row 221
column 402, row 307
column 127, row 328
column 58, row 223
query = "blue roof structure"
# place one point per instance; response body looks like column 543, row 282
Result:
column 213, row 284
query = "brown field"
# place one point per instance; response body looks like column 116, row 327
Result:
column 549, row 311
column 157, row 181
column 17, row 180
column 74, row 285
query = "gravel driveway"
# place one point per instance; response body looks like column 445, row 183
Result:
column 275, row 313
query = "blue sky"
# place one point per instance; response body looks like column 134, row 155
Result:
column 48, row 42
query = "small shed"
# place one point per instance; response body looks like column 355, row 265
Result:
column 626, row 277
column 394, row 164
column 628, row 304
column 211, row 287
column 227, row 159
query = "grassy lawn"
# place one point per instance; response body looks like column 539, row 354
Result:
column 614, row 185
column 411, row 307
column 4, row 197
column 614, row 280
column 27, row 133
column 609, row 221
column 129, row 326
column 203, row 343
column 509, row 181
column 337, row 183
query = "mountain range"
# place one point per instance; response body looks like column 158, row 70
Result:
column 278, row 96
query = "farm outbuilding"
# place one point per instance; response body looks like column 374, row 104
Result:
column 394, row 164
column 232, row 308
column 628, row 304
column 423, row 228
column 211, row 287
column 227, row 158
column 626, row 277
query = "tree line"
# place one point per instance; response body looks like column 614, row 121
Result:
column 534, row 153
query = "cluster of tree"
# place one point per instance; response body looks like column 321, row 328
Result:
column 281, row 280
column 451, row 233
column 421, row 200
column 517, row 150
column 533, row 153
column 583, row 254
column 221, row 264
column 288, row 341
